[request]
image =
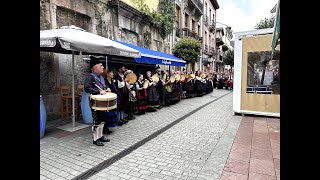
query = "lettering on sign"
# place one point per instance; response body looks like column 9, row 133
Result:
column 47, row 43
column 166, row 62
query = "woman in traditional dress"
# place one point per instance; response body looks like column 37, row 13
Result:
column 141, row 95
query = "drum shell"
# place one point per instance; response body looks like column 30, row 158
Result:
column 103, row 103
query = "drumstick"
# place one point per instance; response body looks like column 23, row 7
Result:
column 98, row 86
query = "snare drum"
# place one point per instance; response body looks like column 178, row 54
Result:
column 104, row 102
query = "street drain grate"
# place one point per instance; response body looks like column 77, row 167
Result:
column 113, row 159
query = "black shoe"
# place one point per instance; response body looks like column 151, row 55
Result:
column 98, row 143
column 124, row 121
column 104, row 139
column 107, row 131
column 120, row 123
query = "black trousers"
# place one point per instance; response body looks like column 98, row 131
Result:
column 98, row 117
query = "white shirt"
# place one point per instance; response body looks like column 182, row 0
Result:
column 121, row 84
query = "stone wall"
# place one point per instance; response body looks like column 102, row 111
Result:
column 95, row 16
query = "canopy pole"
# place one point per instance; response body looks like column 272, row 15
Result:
column 73, row 99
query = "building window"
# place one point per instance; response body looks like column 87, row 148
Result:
column 177, row 14
column 205, row 37
column 186, row 21
column 193, row 25
column 205, row 9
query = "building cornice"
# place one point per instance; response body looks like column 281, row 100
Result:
column 215, row 4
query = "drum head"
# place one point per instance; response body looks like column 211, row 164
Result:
column 132, row 78
column 177, row 77
column 164, row 76
column 155, row 78
column 106, row 97
column 202, row 75
column 172, row 79
column 182, row 78
column 146, row 84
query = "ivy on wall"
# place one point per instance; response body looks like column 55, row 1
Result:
column 163, row 19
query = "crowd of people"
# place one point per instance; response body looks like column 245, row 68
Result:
column 138, row 94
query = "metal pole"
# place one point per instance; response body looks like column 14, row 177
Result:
column 73, row 99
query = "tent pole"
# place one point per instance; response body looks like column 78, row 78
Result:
column 73, row 99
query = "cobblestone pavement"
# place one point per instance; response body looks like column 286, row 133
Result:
column 195, row 148
column 194, row 137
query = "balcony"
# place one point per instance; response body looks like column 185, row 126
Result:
column 205, row 50
column 219, row 41
column 197, row 4
column 186, row 32
column 206, row 20
column 211, row 26
column 211, row 51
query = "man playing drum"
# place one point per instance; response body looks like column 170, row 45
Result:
column 95, row 84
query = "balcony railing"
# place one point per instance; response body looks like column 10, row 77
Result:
column 199, row 4
column 206, row 20
column 188, row 33
column 205, row 49
column 211, row 51
column 211, row 26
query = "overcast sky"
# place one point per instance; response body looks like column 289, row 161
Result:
column 243, row 15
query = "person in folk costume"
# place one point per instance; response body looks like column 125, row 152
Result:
column 209, row 85
column 159, row 87
column 197, row 84
column 215, row 81
column 111, row 115
column 141, row 95
column 184, row 86
column 166, row 88
column 173, row 94
column 93, row 80
column 178, row 89
column 132, row 106
column 122, row 92
column 153, row 96
column 189, row 86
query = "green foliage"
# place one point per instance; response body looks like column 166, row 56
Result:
column 265, row 23
column 188, row 49
column 162, row 20
column 229, row 57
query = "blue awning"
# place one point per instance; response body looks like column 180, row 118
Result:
column 149, row 56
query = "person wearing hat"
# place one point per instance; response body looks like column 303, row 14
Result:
column 95, row 84
column 123, row 90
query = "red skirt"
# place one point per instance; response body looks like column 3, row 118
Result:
column 142, row 100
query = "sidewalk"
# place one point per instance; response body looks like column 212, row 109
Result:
column 198, row 138
column 71, row 154
column 255, row 154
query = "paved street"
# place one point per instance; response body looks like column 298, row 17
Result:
column 183, row 141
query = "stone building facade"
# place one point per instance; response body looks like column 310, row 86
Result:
column 113, row 19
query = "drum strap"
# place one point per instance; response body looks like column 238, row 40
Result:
column 99, row 81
